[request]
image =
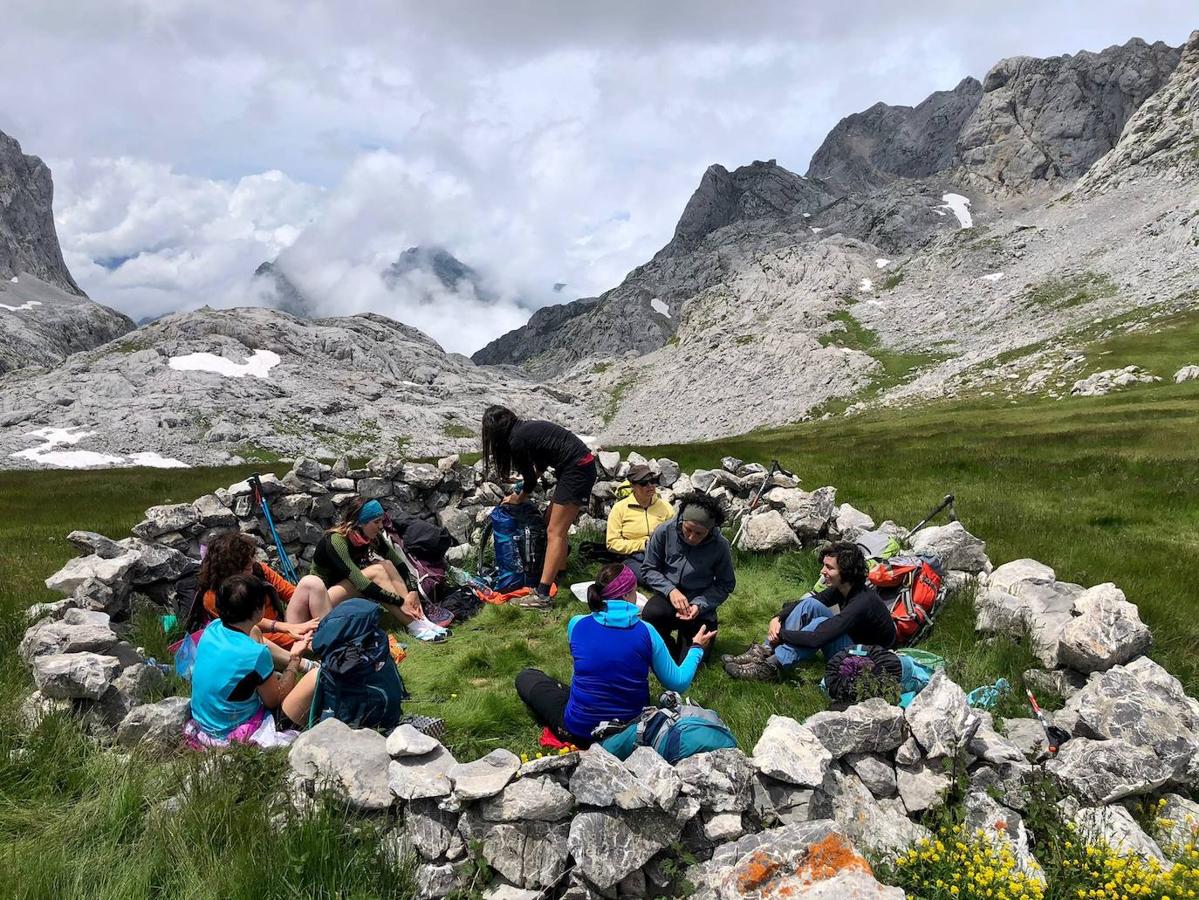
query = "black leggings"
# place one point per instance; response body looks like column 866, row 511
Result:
column 659, row 612
column 546, row 699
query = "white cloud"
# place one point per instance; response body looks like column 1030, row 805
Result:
column 539, row 142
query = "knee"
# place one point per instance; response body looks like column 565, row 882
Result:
column 525, row 679
column 312, row 583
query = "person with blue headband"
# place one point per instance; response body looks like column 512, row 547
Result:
column 354, row 558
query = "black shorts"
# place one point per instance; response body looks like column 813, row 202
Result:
column 575, row 484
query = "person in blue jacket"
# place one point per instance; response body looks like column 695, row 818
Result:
column 613, row 653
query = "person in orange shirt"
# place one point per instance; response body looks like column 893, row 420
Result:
column 294, row 612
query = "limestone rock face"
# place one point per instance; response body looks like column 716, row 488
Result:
column 351, row 761
column 484, row 777
column 68, row 676
column 608, row 845
column 937, row 717
column 788, row 751
column 539, row 799
column 1107, row 771
column 956, row 547
column 1115, row 826
column 767, row 531
column 158, row 723
column 601, row 780
column 422, row 777
column 722, row 780
column 874, row 726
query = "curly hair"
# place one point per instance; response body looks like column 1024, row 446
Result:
column 228, row 555
column 851, row 562
column 707, row 502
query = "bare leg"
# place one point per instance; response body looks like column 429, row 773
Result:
column 343, row 590
column 297, row 703
column 387, row 577
column 310, row 601
column 562, row 516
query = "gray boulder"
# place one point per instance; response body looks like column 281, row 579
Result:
column 812, row 512
column 82, row 568
column 921, row 786
column 938, row 716
column 956, row 547
column 422, row 777
column 158, row 723
column 1106, row 771
column 877, row 828
column 722, row 780
column 89, row 542
column 60, row 637
column 600, row 779
column 405, row 740
column 36, row 708
column 162, row 520
column 1103, row 637
column 608, row 845
column 656, row 774
column 788, row 751
column 1114, row 826
column 1178, row 819
column 537, row 799
column 436, row 881
column 484, row 777
column 71, row 676
column 767, row 531
column 876, row 772
column 852, row 522
column 1013, row 576
column 351, row 761
column 874, row 726
column 429, row 827
column 155, row 562
column 212, row 513
column 1003, row 828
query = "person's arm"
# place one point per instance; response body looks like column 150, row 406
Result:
column 674, row 676
column 392, row 554
column 616, row 540
column 840, row 624
column 358, row 578
column 276, row 687
column 724, row 580
column 655, row 563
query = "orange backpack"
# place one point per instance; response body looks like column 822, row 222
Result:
column 914, row 588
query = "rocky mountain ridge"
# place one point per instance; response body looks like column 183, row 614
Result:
column 44, row 315
column 923, row 243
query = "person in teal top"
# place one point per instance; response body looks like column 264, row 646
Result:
column 234, row 679
column 614, row 653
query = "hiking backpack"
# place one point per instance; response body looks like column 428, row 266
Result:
column 673, row 733
column 519, row 536
column 858, row 673
column 914, row 589
column 422, row 546
column 358, row 681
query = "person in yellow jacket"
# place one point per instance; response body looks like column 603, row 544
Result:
column 634, row 518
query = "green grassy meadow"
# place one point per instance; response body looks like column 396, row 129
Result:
column 1102, row 489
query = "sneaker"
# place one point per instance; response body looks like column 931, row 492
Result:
column 534, row 601
column 427, row 725
column 764, row 669
column 755, row 651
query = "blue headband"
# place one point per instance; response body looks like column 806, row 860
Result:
column 371, row 509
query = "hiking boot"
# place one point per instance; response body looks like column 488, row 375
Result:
column 762, row 669
column 534, row 601
column 755, row 651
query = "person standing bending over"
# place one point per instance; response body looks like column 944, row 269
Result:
column 689, row 567
column 510, row 444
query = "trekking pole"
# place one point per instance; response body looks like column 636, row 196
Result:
column 947, row 502
column 1054, row 736
column 756, row 499
column 289, row 571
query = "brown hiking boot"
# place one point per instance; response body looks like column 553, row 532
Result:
column 765, row 668
column 755, row 651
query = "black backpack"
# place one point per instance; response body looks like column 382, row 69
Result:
column 426, row 541
column 358, row 681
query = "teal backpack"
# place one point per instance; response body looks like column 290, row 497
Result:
column 674, row 733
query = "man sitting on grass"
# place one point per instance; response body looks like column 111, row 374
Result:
column 808, row 625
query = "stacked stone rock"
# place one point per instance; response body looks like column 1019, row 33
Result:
column 586, row 825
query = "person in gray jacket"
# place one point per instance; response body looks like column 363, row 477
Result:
column 689, row 567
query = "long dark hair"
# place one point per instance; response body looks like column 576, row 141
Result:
column 227, row 556
column 497, row 453
column 595, row 592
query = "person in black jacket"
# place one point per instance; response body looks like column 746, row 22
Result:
column 808, row 625
column 530, row 448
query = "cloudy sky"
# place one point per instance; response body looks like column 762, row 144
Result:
column 540, row 142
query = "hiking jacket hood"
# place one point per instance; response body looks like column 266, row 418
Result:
column 704, row 572
column 630, row 524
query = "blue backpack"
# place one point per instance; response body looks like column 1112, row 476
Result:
column 519, row 536
column 358, row 681
column 674, row 733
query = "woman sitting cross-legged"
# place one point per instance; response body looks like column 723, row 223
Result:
column 234, row 684
column 354, row 558
column 293, row 611
column 808, row 625
column 613, row 653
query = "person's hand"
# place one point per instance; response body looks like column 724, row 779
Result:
column 679, row 601
column 704, row 637
column 298, row 629
column 412, row 606
column 515, row 499
column 689, row 613
column 772, row 633
column 298, row 649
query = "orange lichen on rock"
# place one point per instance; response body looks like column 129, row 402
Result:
column 756, row 871
column 830, row 856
